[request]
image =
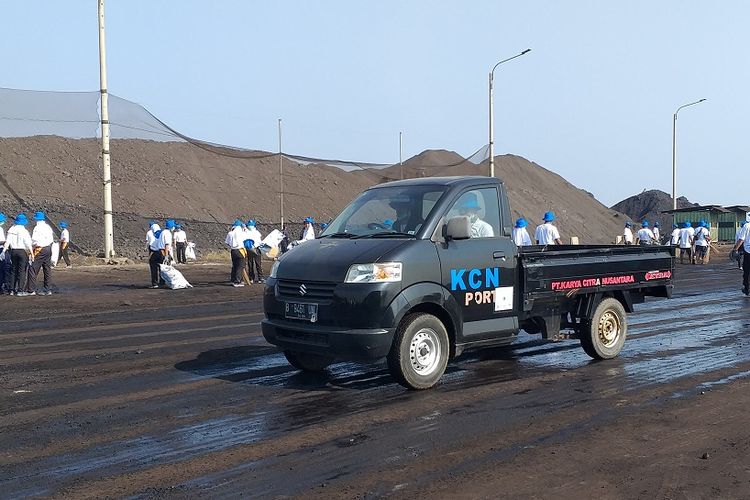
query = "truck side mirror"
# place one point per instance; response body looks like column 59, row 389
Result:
column 457, row 228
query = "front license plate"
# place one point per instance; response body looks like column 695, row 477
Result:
column 296, row 310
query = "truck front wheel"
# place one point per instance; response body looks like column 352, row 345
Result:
column 308, row 362
column 420, row 350
column 604, row 335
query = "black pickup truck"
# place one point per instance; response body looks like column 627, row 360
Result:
column 416, row 271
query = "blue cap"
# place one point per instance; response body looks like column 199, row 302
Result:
column 177, row 226
column 704, row 224
column 656, row 224
column 549, row 216
column 675, row 226
column 686, row 224
column 628, row 224
column 39, row 215
column 521, row 223
column 2, row 218
column 742, row 224
column 644, row 223
column 170, row 224
column 237, row 223
column 469, row 202
column 21, row 219
column 151, row 222
column 309, row 219
column 248, row 244
column 323, row 225
column 251, row 223
column 63, row 225
column 388, row 222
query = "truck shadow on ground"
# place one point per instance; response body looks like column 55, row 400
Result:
column 267, row 366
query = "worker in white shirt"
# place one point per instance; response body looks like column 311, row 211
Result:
column 469, row 207
column 520, row 235
column 155, row 256
column 744, row 242
column 675, row 238
column 150, row 234
column 308, row 231
column 166, row 239
column 4, row 256
column 254, row 264
column 737, row 237
column 180, row 243
column 702, row 239
column 627, row 233
column 546, row 233
column 644, row 236
column 657, row 233
column 41, row 241
column 64, row 243
column 236, row 242
column 18, row 243
column 686, row 241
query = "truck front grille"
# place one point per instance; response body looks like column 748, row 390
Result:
column 305, row 290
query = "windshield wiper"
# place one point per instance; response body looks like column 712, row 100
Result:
column 338, row 235
column 388, row 234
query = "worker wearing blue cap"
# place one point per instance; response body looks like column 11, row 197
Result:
column 738, row 237
column 42, row 238
column 308, row 231
column 469, row 206
column 546, row 233
column 520, row 234
column 64, row 242
column 180, row 243
column 686, row 241
column 702, row 241
column 645, row 236
column 235, row 240
column 674, row 240
column 18, row 243
column 627, row 233
column 254, row 263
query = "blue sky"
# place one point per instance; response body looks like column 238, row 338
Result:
column 593, row 101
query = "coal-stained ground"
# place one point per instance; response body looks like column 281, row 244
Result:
column 109, row 389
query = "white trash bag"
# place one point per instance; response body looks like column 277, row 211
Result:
column 55, row 253
column 270, row 244
column 190, row 251
column 173, row 278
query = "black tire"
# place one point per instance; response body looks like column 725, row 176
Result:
column 420, row 351
column 604, row 336
column 307, row 361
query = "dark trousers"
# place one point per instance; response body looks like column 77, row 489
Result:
column 238, row 265
column 154, row 260
column 19, row 263
column 740, row 256
column 64, row 254
column 746, row 271
column 180, row 247
column 3, row 267
column 254, row 265
column 43, row 261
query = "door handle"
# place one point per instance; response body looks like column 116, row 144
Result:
column 498, row 255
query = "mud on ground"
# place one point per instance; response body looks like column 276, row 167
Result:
column 109, row 389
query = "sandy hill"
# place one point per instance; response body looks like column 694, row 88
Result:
column 649, row 206
column 207, row 190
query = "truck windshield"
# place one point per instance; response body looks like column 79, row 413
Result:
column 386, row 212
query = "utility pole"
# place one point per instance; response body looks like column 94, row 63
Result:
column 109, row 246
column 400, row 154
column 674, row 151
column 281, row 180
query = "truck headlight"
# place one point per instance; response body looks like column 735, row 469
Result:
column 385, row 272
column 274, row 269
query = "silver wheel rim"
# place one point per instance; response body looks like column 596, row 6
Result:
column 424, row 351
column 609, row 329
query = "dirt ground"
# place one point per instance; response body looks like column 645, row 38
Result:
column 109, row 389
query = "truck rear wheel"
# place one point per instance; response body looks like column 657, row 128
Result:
column 420, row 350
column 604, row 336
column 308, row 362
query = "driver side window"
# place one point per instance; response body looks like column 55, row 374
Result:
column 483, row 210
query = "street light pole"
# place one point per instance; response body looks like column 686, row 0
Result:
column 492, row 111
column 674, row 151
column 109, row 245
column 400, row 154
column 281, row 181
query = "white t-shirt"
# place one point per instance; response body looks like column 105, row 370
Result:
column 165, row 240
column 686, row 237
column 700, row 237
column 627, row 235
column 546, row 234
column 235, row 238
column 657, row 234
column 2, row 234
column 42, row 235
column 309, row 233
column 675, row 236
column 645, row 235
column 481, row 229
column 744, row 235
column 65, row 235
column 252, row 233
column 18, row 238
column 521, row 237
column 180, row 236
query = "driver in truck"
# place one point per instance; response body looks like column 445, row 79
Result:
column 469, row 207
column 405, row 222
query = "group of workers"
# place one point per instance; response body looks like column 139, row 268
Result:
column 24, row 254
column 693, row 242
column 546, row 233
column 165, row 246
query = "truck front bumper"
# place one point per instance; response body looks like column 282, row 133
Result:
column 350, row 344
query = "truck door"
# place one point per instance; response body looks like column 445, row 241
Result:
column 479, row 271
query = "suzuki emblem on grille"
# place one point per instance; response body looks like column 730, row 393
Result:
column 302, row 289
